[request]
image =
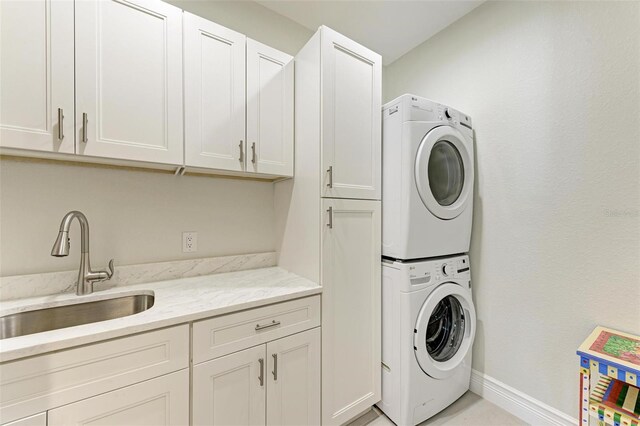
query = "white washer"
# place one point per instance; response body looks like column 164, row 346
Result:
column 427, row 179
column 428, row 327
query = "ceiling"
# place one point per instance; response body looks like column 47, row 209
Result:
column 389, row 27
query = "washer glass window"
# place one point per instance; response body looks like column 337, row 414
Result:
column 446, row 173
column 445, row 330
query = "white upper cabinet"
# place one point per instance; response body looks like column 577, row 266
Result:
column 351, row 114
column 269, row 110
column 103, row 79
column 36, row 75
column 129, row 80
column 214, row 64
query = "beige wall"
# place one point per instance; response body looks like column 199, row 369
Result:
column 554, row 93
column 139, row 216
column 135, row 216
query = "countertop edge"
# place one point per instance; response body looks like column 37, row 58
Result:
column 75, row 341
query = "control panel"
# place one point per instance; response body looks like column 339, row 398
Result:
column 425, row 273
column 452, row 268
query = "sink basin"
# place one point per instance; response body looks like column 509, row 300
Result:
column 36, row 321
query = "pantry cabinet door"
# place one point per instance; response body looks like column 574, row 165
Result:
column 36, row 75
column 160, row 401
column 231, row 390
column 129, row 80
column 269, row 110
column 214, row 64
column 293, row 396
column 351, row 118
column 351, row 303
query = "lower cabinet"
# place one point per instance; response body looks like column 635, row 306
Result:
column 293, row 385
column 257, row 366
column 277, row 383
column 160, row 401
column 230, row 390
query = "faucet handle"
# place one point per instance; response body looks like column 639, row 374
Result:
column 109, row 271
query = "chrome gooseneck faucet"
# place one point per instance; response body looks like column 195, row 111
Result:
column 86, row 277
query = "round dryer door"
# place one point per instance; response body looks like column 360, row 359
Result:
column 444, row 172
column 444, row 330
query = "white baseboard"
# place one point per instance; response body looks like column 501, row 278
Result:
column 517, row 403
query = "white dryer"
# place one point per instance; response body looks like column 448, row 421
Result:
column 428, row 327
column 427, row 179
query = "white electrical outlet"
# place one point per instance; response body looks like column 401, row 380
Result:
column 189, row 242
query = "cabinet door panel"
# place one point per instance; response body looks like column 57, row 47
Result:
column 36, row 420
column 36, row 75
column 269, row 110
column 129, row 80
column 160, row 401
column 351, row 318
column 214, row 95
column 351, row 110
column 227, row 390
column 293, row 396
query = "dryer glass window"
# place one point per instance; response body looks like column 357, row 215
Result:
column 445, row 330
column 446, row 173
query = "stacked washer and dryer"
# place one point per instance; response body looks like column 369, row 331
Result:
column 428, row 317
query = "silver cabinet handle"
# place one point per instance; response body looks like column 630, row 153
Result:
column 241, row 152
column 85, row 122
column 330, row 171
column 330, row 211
column 261, row 376
column 275, row 366
column 273, row 323
column 253, row 153
column 60, row 124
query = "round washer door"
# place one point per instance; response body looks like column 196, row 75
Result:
column 444, row 330
column 444, row 172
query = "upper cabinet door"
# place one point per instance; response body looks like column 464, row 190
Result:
column 214, row 64
column 129, row 80
column 351, row 111
column 294, row 380
column 269, row 110
column 351, row 301
column 36, row 75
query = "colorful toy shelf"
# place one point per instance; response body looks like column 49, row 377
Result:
column 615, row 358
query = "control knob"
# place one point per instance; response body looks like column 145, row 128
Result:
column 447, row 113
column 446, row 269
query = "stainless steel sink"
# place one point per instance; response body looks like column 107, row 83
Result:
column 36, row 321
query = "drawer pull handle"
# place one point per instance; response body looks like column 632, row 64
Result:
column 275, row 366
column 85, row 121
column 273, row 323
column 60, row 124
column 261, row 376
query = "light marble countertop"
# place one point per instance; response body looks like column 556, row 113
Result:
column 176, row 301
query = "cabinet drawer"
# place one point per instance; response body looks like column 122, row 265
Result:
column 43, row 382
column 230, row 333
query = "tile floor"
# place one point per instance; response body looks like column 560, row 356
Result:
column 470, row 410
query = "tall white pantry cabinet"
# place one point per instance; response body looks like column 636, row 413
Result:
column 329, row 215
